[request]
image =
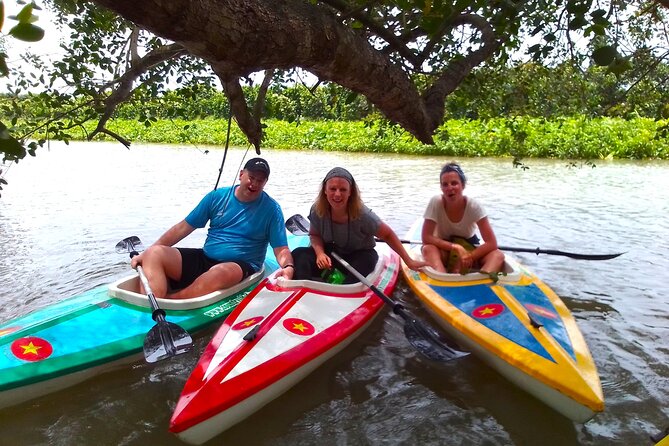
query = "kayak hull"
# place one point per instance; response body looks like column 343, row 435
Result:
column 298, row 325
column 519, row 327
column 101, row 329
column 207, row 429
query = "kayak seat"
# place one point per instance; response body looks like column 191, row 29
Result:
column 127, row 289
column 336, row 288
column 510, row 273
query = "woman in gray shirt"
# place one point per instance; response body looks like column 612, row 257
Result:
column 340, row 222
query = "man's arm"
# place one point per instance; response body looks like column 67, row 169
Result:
column 175, row 234
column 285, row 259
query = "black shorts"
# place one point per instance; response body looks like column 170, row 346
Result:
column 194, row 263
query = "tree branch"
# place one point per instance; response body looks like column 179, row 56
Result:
column 124, row 84
column 457, row 70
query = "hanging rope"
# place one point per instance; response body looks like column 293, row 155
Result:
column 225, row 153
column 220, row 170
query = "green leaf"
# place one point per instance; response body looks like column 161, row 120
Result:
column 27, row 32
column 620, row 65
column 598, row 13
column 25, row 14
column 4, row 70
column 578, row 7
column 604, row 55
column 10, row 146
column 577, row 22
column 549, row 37
column 534, row 48
column 597, row 30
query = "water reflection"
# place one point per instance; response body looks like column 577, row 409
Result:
column 62, row 214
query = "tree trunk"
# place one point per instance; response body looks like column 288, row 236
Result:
column 238, row 37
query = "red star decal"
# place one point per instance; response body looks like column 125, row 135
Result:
column 246, row 323
column 31, row 348
column 298, row 326
column 487, row 311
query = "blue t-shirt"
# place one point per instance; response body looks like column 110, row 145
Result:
column 239, row 230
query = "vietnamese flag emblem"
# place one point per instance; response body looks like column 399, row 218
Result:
column 298, row 326
column 487, row 311
column 31, row 348
column 246, row 323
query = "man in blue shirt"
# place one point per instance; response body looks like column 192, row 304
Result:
column 242, row 221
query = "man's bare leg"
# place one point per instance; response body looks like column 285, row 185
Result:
column 159, row 263
column 223, row 275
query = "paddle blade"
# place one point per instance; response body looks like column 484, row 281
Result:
column 129, row 244
column 298, row 225
column 165, row 340
column 428, row 342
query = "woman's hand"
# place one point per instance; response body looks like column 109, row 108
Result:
column 416, row 264
column 323, row 261
column 465, row 260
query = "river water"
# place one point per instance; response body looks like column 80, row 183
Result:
column 63, row 212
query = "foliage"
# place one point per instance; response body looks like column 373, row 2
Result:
column 25, row 30
column 578, row 60
column 577, row 138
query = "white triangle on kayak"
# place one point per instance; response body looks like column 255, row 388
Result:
column 262, row 305
column 319, row 310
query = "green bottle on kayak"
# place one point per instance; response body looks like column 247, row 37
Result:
column 333, row 276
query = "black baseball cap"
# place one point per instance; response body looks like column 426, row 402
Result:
column 257, row 165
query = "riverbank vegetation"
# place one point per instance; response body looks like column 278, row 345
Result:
column 520, row 137
column 522, row 111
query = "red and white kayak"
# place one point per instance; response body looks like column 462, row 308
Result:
column 292, row 327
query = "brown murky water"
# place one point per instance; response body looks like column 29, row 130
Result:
column 63, row 212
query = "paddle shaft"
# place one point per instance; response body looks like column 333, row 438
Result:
column 397, row 308
column 298, row 225
column 422, row 337
column 165, row 339
column 158, row 314
column 537, row 251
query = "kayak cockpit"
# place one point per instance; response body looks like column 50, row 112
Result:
column 348, row 288
column 127, row 289
column 511, row 272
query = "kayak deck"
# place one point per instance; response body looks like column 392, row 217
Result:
column 521, row 328
column 66, row 343
column 274, row 338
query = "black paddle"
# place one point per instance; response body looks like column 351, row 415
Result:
column 423, row 337
column 297, row 221
column 165, row 339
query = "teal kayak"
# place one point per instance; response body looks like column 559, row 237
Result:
column 68, row 342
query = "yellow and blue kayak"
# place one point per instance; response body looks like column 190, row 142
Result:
column 519, row 327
